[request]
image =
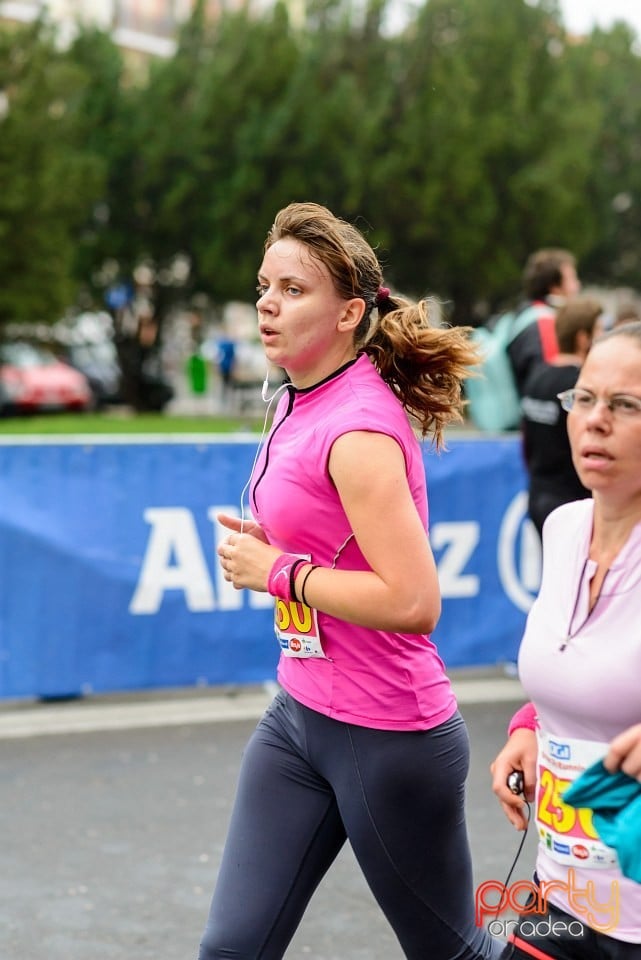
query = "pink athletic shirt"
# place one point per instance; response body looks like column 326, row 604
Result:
column 588, row 691
column 373, row 678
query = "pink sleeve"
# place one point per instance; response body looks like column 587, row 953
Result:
column 524, row 718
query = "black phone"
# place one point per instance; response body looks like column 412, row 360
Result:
column 515, row 782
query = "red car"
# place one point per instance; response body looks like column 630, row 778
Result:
column 33, row 380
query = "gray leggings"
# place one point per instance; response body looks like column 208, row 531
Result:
column 307, row 783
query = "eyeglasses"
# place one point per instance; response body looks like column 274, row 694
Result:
column 583, row 401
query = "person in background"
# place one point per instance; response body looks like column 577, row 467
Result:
column 625, row 313
column 552, row 479
column 549, row 280
column 226, row 359
column 580, row 662
column 364, row 741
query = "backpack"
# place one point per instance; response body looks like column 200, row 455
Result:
column 493, row 400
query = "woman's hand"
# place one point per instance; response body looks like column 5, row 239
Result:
column 624, row 753
column 519, row 753
column 246, row 558
column 241, row 526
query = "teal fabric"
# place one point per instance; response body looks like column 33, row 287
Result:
column 615, row 801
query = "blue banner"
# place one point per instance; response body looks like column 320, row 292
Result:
column 109, row 579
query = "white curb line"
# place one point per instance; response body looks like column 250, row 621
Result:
column 91, row 717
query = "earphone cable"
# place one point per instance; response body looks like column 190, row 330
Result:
column 269, row 402
column 518, row 853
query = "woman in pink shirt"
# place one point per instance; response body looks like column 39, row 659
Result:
column 580, row 661
column 364, row 741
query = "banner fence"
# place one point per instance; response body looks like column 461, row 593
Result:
column 109, row 579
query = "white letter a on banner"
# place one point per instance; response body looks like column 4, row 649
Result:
column 174, row 560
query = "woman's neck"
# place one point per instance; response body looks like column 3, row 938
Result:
column 612, row 527
column 302, row 379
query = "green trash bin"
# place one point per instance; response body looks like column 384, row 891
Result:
column 197, row 374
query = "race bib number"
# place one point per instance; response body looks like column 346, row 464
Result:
column 568, row 834
column 296, row 626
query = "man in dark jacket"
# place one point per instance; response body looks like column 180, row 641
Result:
column 549, row 280
column 546, row 448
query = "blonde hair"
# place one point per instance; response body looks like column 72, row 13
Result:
column 424, row 364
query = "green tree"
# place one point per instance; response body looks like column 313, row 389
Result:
column 475, row 136
column 609, row 67
column 163, row 160
column 184, row 143
column 489, row 149
column 102, row 109
column 237, row 117
column 313, row 136
column 48, row 178
column 263, row 112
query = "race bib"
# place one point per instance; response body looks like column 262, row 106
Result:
column 296, row 626
column 568, row 834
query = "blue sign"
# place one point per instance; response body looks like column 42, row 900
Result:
column 109, row 578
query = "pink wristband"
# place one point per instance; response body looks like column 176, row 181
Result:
column 280, row 582
column 525, row 718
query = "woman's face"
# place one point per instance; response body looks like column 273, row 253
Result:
column 305, row 326
column 606, row 445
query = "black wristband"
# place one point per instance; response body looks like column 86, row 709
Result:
column 292, row 578
column 313, row 567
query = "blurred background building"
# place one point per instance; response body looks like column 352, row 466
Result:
column 141, row 27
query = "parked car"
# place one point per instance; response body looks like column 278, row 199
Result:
column 99, row 363
column 32, row 379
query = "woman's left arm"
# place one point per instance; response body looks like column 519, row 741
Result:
column 401, row 592
column 624, row 753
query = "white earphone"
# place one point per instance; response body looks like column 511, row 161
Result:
column 265, row 388
column 268, row 401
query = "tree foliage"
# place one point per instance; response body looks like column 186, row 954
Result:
column 461, row 143
column 609, row 68
column 49, row 175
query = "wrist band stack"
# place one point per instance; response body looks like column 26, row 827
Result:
column 281, row 580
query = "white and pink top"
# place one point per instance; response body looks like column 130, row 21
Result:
column 582, row 670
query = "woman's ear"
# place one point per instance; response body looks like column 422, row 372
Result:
column 352, row 314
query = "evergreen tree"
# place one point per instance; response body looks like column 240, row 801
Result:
column 48, row 179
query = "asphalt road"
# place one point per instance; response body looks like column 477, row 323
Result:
column 111, row 838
